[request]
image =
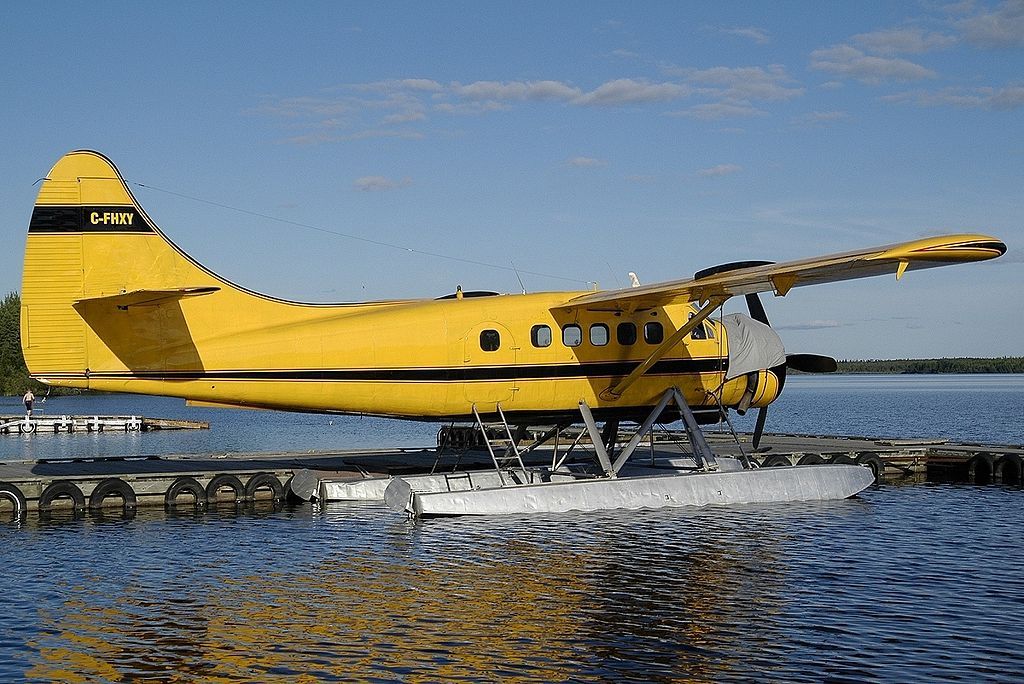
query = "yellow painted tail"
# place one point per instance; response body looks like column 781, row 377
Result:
column 92, row 250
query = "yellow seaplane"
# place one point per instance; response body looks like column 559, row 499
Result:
column 110, row 303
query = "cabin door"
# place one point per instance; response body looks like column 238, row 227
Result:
column 488, row 366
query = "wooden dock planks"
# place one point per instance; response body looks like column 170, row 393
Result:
column 41, row 424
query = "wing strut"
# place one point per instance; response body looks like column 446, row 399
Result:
column 703, row 456
column 613, row 393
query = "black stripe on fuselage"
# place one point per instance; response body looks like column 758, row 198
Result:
column 462, row 374
column 88, row 219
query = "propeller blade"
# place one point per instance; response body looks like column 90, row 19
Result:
column 762, row 415
column 756, row 309
column 812, row 363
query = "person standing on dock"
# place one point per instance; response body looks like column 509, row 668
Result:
column 29, row 399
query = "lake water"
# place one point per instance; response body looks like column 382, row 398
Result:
column 910, row 583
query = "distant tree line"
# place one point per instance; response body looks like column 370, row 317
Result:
column 1005, row 364
column 13, row 374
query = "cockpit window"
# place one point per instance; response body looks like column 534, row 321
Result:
column 698, row 333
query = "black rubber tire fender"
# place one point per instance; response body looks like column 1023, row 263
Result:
column 27, row 428
column 981, row 468
column 1009, row 465
column 14, row 495
column 109, row 487
column 185, row 485
column 224, row 480
column 261, row 481
column 776, row 460
column 811, row 459
column 58, row 489
column 842, row 459
column 870, row 459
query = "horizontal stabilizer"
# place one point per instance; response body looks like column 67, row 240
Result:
column 147, row 297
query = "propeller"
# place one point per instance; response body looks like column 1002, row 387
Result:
column 811, row 363
column 806, row 363
column 756, row 309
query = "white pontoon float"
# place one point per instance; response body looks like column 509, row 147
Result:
column 513, row 488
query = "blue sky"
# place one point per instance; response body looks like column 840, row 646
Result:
column 577, row 141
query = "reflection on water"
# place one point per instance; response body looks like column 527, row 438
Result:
column 902, row 583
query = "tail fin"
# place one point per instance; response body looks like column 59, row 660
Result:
column 91, row 250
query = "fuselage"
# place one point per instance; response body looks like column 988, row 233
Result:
column 427, row 359
column 109, row 303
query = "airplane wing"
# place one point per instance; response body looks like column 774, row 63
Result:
column 740, row 279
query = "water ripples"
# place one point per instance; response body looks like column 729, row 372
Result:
column 902, row 584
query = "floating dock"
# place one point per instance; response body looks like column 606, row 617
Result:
column 74, row 486
column 42, row 424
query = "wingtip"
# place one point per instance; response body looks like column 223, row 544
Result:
column 946, row 249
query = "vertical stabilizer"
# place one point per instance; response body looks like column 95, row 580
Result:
column 88, row 238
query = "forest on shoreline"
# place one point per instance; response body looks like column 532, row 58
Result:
column 14, row 378
column 1005, row 364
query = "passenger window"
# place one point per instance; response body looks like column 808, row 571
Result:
column 698, row 333
column 572, row 335
column 540, row 335
column 653, row 333
column 599, row 334
column 710, row 331
column 490, row 340
column 625, row 333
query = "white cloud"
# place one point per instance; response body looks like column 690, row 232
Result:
column 1007, row 98
column 758, row 35
column 397, row 108
column 404, row 117
column 586, row 162
column 629, row 91
column 625, row 54
column 719, row 110
column 424, row 84
column 395, row 85
column 470, row 107
column 720, row 170
column 382, row 133
column 818, row 118
column 515, row 90
column 379, row 183
column 906, row 40
column 744, row 83
column 993, row 99
column 850, row 62
column 1003, row 27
